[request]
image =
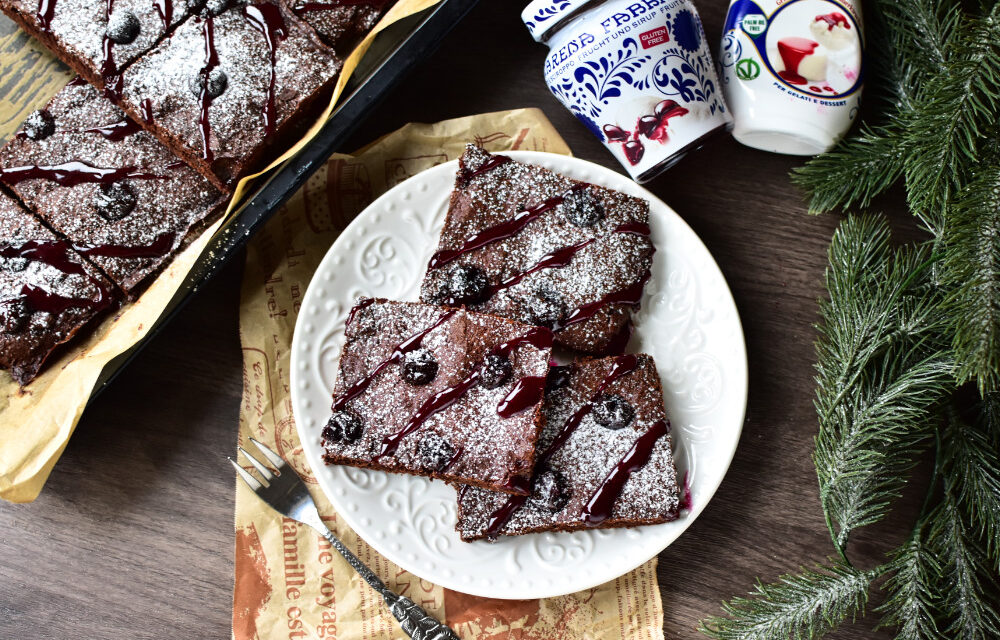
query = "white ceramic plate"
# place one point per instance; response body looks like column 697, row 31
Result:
column 688, row 322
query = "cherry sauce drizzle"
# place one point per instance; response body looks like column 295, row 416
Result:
column 70, row 174
column 501, row 231
column 56, row 254
column 410, row 344
column 109, row 70
column 267, row 19
column 211, row 62
column 598, row 508
column 165, row 9
column 46, row 11
column 538, row 337
column 623, row 365
column 116, row 132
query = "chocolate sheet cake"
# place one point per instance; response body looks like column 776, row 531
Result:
column 603, row 460
column 99, row 38
column 525, row 243
column 226, row 89
column 109, row 187
column 439, row 392
column 47, row 291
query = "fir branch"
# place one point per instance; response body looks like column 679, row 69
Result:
column 881, row 369
column 912, row 590
column 971, row 269
column 855, row 171
column 806, row 605
column 972, row 471
column 914, row 39
column 969, row 605
column 957, row 107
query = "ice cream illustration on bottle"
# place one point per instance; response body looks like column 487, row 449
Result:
column 829, row 62
column 792, row 72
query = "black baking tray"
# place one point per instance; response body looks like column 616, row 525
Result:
column 393, row 54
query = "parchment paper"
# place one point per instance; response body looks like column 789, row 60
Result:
column 37, row 422
column 289, row 582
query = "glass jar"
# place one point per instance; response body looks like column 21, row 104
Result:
column 638, row 74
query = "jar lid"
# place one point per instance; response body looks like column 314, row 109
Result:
column 541, row 15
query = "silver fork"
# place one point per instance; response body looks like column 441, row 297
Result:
column 285, row 492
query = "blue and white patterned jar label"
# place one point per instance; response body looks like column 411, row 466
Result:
column 640, row 76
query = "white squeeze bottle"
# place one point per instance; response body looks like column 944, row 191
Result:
column 792, row 72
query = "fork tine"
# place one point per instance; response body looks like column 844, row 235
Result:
column 272, row 457
column 254, row 483
column 264, row 471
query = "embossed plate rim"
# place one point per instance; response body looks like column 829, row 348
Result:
column 605, row 554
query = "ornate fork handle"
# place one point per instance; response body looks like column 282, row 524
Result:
column 415, row 622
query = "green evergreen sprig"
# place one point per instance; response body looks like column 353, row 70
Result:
column 905, row 337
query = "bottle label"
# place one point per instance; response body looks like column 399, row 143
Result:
column 809, row 48
column 641, row 77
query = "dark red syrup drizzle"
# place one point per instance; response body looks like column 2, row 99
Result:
column 793, row 50
column 46, row 11
column 361, row 304
column 454, row 458
column 631, row 295
column 598, row 508
column 165, row 8
column 146, row 110
column 117, row 131
column 622, row 366
column 410, row 344
column 267, row 19
column 526, row 393
column 54, row 253
column 538, row 337
column 69, row 174
column 503, row 230
column 77, row 81
column 109, row 70
column 491, row 163
column 211, row 62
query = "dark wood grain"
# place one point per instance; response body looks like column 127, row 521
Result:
column 132, row 537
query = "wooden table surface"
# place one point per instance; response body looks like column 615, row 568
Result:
column 133, row 535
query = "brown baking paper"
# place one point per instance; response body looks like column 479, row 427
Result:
column 289, row 582
column 37, row 422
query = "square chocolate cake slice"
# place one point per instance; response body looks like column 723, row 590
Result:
column 439, row 392
column 224, row 90
column 526, row 243
column 603, row 460
column 47, row 291
column 99, row 38
column 341, row 25
column 120, row 197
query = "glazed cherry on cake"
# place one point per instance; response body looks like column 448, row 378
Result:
column 111, row 189
column 48, row 292
column 603, row 458
column 231, row 87
column 439, row 392
column 526, row 243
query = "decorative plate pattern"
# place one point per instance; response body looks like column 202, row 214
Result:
column 688, row 322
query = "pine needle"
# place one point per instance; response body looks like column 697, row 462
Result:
column 802, row 606
column 912, row 590
column 969, row 605
column 881, row 370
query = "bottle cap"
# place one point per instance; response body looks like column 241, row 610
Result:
column 541, row 15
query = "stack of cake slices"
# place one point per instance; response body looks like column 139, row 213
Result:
column 462, row 386
column 102, row 187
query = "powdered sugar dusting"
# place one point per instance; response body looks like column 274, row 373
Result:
column 172, row 205
column 493, row 449
column 651, row 494
column 611, row 262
